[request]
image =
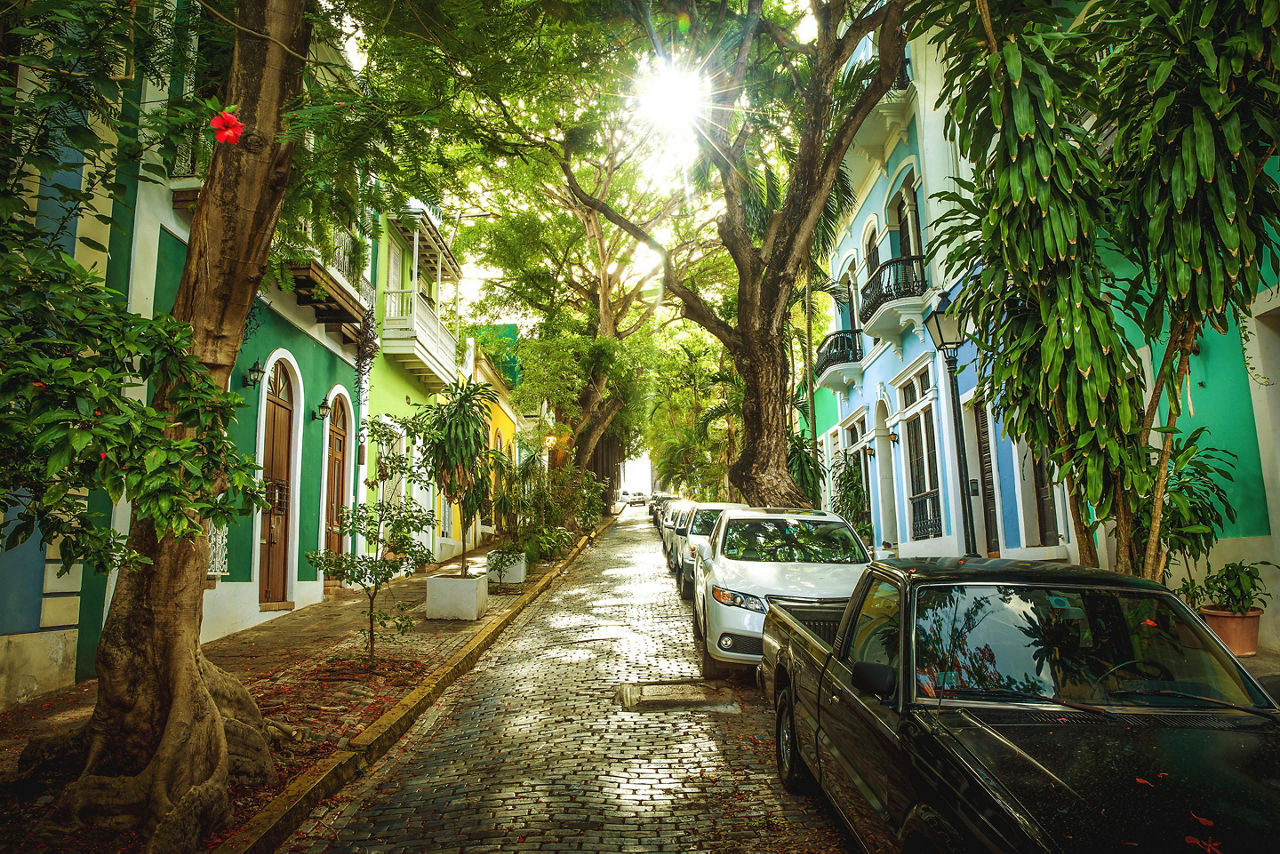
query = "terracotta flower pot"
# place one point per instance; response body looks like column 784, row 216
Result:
column 1238, row 631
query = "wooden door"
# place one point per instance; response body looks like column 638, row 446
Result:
column 336, row 489
column 986, row 478
column 277, row 456
column 1046, row 511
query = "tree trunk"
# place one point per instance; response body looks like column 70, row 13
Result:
column 170, row 730
column 592, row 432
column 760, row 472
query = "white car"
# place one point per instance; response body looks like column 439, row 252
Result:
column 696, row 530
column 757, row 556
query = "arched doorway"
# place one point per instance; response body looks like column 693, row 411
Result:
column 884, row 472
column 277, row 457
column 336, row 485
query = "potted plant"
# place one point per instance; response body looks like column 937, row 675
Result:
column 456, row 457
column 506, row 564
column 1231, row 601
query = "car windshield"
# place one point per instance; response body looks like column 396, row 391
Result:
column 703, row 522
column 1084, row 644
column 794, row 540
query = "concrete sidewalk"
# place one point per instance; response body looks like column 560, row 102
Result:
column 307, row 671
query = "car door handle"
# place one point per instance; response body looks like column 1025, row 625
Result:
column 833, row 699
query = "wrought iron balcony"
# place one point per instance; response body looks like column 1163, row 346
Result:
column 897, row 278
column 337, row 288
column 838, row 360
column 926, row 516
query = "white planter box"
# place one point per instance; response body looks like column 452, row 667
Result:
column 513, row 574
column 452, row 598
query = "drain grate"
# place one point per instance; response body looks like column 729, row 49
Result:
column 675, row 696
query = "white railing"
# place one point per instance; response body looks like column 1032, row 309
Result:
column 408, row 311
column 217, row 552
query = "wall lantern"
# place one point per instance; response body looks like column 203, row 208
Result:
column 254, row 375
column 322, row 411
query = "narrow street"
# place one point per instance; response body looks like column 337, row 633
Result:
column 533, row 751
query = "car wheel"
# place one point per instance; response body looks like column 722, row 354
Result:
column 697, row 627
column 711, row 668
column 792, row 772
column 686, row 587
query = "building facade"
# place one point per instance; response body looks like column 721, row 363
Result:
column 884, row 401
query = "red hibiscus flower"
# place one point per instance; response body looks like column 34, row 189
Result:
column 226, row 128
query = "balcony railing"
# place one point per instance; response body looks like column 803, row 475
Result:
column 926, row 516
column 410, row 316
column 894, row 279
column 838, row 348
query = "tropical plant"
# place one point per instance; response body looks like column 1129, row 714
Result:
column 805, row 467
column 390, row 524
column 1023, row 237
column 1237, row 587
column 1196, row 503
column 849, row 495
column 1192, row 94
column 455, row 455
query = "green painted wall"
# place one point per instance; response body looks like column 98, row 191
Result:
column 1219, row 395
column 320, row 368
column 826, row 408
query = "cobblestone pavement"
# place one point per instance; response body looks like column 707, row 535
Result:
column 531, row 751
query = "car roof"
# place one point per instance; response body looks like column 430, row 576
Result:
column 772, row 512
column 717, row 505
column 923, row 570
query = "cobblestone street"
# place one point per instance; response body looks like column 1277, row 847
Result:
column 532, row 750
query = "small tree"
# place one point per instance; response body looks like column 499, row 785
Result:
column 455, row 455
column 849, row 495
column 389, row 525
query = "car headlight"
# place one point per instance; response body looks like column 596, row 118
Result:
column 734, row 599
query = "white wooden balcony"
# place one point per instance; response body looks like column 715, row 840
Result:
column 413, row 335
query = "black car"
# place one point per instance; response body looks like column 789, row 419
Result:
column 992, row 705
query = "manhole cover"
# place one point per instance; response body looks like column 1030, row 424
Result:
column 667, row 696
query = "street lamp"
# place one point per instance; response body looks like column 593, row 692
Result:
column 947, row 333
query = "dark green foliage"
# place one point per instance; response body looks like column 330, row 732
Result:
column 1196, row 503
column 849, row 495
column 74, row 362
column 804, row 466
column 1023, row 236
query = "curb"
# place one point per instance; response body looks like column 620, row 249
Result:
column 283, row 814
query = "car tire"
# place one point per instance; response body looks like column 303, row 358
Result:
column 697, row 626
column 686, row 586
column 792, row 772
column 712, row 668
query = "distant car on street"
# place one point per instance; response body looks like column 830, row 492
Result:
column 758, row 556
column 636, row 499
column 989, row 705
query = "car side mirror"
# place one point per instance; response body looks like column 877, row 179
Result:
column 682, row 532
column 704, row 551
column 877, row 679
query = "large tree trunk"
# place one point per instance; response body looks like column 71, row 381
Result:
column 760, row 472
column 170, row 730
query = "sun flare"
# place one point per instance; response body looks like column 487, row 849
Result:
column 672, row 100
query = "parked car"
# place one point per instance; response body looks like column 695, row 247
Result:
column 697, row 529
column 758, row 556
column 637, row 499
column 988, row 705
column 669, row 514
column 679, row 534
column 656, row 505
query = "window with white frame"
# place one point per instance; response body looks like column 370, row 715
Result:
column 917, row 427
